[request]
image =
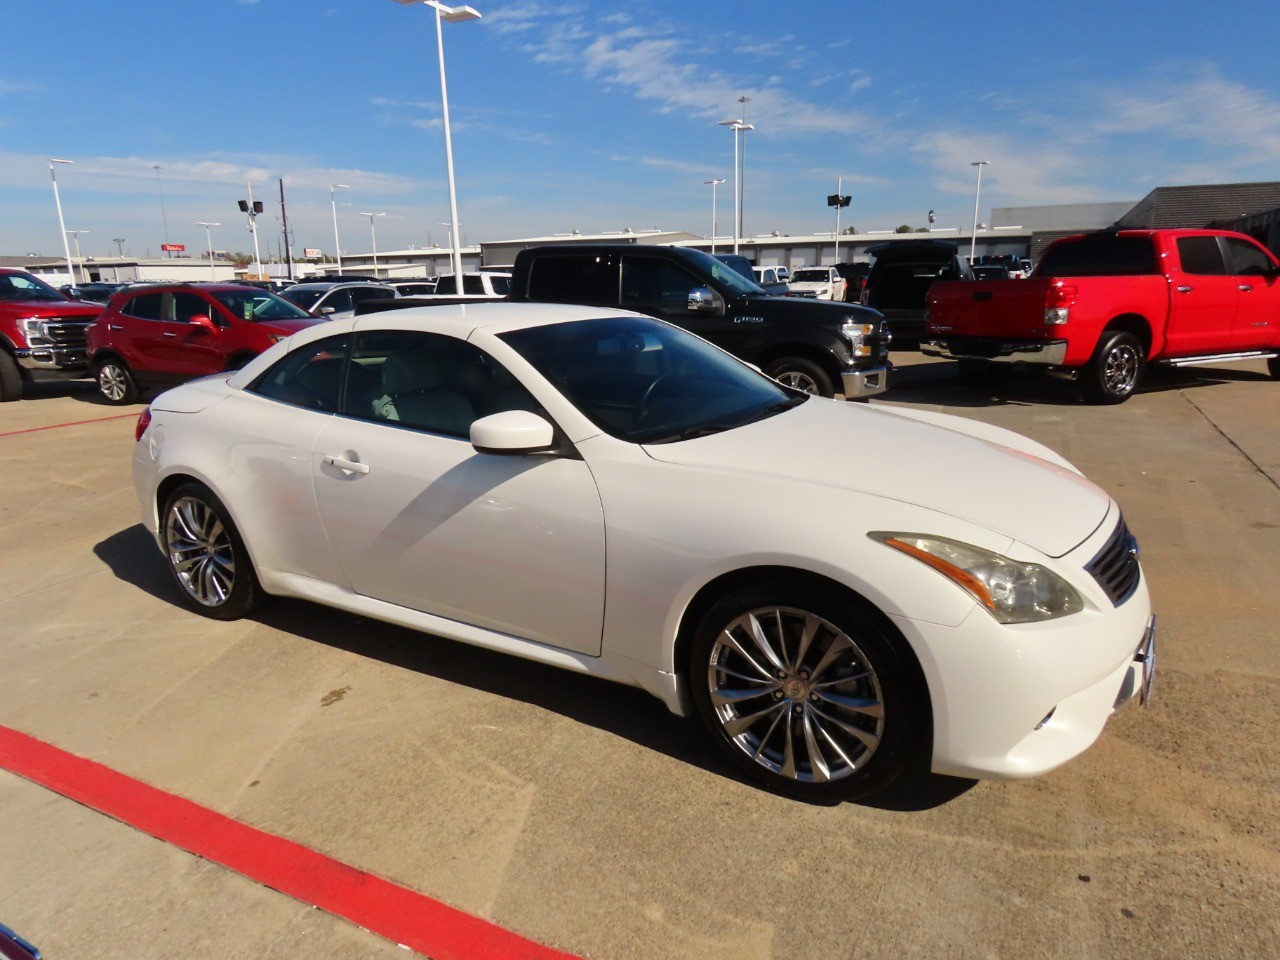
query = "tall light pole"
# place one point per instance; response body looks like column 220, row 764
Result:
column 737, row 126
column 742, row 162
column 374, row 234
column 119, row 242
column 164, row 216
column 62, row 226
column 453, row 15
column 79, row 259
column 333, row 203
column 973, row 242
column 714, row 184
column 208, row 242
column 251, row 208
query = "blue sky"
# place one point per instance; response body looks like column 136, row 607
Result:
column 591, row 116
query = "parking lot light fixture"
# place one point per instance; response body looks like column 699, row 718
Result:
column 208, row 239
column 333, row 204
column 738, row 128
column 62, row 226
column 977, row 193
column 373, row 231
column 458, row 14
column 713, row 184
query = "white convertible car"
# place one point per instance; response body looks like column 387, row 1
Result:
column 832, row 588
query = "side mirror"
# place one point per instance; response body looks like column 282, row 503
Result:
column 327, row 311
column 204, row 323
column 702, row 300
column 512, row 433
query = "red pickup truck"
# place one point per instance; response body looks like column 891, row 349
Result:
column 1101, row 306
column 42, row 333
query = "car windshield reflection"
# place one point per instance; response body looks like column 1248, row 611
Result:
column 649, row 382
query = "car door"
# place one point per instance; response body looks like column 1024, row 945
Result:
column 1202, row 305
column 187, row 348
column 1257, row 322
column 335, row 305
column 139, row 331
column 420, row 519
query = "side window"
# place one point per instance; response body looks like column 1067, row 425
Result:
column 472, row 284
column 1201, row 255
column 309, row 377
column 1247, row 260
column 145, row 306
column 429, row 382
column 651, row 285
column 501, row 285
column 361, row 294
column 183, row 306
column 338, row 300
column 586, row 279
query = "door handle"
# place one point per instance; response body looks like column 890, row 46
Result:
column 115, row 326
column 351, row 466
column 1185, row 289
column 1245, row 288
column 170, row 333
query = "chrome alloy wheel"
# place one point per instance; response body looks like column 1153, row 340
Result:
column 1120, row 369
column 112, row 382
column 200, row 551
column 798, row 380
column 796, row 694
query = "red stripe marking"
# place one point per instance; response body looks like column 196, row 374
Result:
column 397, row 913
column 74, row 423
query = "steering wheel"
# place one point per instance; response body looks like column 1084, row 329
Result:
column 642, row 411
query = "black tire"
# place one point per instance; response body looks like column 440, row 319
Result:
column 115, row 382
column 1115, row 370
column 10, row 379
column 802, row 374
column 1273, row 368
column 206, row 556
column 982, row 375
column 842, row 738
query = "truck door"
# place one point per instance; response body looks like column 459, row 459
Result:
column 661, row 289
column 1258, row 307
column 1202, row 299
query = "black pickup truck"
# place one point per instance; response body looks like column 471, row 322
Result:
column 819, row 347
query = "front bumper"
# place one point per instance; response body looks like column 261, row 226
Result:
column 1049, row 353
column 867, row 382
column 53, row 358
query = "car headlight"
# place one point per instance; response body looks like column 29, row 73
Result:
column 857, row 334
column 1010, row 590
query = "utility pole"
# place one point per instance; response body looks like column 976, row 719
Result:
column 284, row 218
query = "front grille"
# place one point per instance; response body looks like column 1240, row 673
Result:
column 67, row 331
column 1116, row 565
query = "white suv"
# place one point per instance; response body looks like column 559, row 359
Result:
column 820, row 283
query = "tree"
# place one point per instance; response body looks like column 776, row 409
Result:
column 905, row 228
column 850, row 231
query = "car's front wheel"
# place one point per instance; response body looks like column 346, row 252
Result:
column 806, row 692
column 116, row 383
column 206, row 555
column 802, row 374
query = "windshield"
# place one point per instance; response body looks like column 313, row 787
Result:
column 649, row 382
column 811, row 276
column 255, row 305
column 23, row 286
column 305, row 298
column 738, row 284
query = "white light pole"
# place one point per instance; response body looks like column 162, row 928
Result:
column 62, row 226
column 373, row 232
column 164, row 216
column 714, row 184
column 208, row 241
column 453, row 15
column 333, row 203
column 973, row 242
column 737, row 126
column 79, row 259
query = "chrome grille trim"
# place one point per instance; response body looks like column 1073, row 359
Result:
column 1116, row 565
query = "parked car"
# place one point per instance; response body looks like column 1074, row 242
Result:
column 855, row 279
column 737, row 261
column 98, row 292
column 337, row 299
column 1101, row 307
column 773, row 280
column 819, row 283
column 900, row 277
column 817, row 347
column 42, row 332
column 485, row 284
column 585, row 487
column 991, row 271
column 414, row 288
column 166, row 333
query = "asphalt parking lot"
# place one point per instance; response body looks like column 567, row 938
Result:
column 580, row 814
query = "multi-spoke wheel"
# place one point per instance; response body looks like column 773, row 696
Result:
column 801, row 374
column 804, row 692
column 1116, row 368
column 116, row 383
column 206, row 555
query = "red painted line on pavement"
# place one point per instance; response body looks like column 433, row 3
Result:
column 397, row 913
column 74, row 423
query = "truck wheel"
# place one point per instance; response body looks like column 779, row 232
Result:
column 801, row 374
column 982, row 375
column 116, row 383
column 10, row 379
column 1273, row 367
column 1115, row 370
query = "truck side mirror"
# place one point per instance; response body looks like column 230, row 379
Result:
column 702, row 300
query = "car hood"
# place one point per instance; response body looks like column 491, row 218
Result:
column 51, row 308
column 981, row 474
column 287, row 327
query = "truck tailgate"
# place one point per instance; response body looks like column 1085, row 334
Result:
column 991, row 308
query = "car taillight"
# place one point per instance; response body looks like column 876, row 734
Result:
column 144, row 421
column 1058, row 301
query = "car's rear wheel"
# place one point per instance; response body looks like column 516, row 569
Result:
column 10, row 378
column 802, row 374
column 116, row 383
column 1115, row 370
column 206, row 555
column 1273, row 367
column 806, row 692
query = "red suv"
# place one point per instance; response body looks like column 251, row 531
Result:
column 166, row 333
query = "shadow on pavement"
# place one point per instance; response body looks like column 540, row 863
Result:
column 626, row 712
